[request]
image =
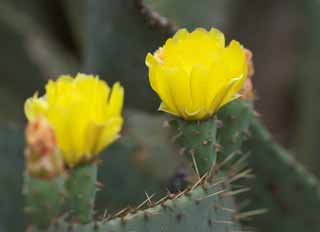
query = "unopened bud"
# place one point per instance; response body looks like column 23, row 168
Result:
column 250, row 64
column 43, row 159
column 246, row 91
column 40, row 137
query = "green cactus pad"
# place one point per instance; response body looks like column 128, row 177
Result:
column 44, row 199
column 235, row 120
column 197, row 140
column 283, row 186
column 207, row 206
column 81, row 192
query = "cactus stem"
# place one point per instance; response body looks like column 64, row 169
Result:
column 81, row 187
column 198, row 139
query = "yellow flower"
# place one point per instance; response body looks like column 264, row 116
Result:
column 84, row 113
column 194, row 74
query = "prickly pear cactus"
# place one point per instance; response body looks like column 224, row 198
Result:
column 206, row 206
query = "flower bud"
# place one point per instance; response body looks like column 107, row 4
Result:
column 43, row 159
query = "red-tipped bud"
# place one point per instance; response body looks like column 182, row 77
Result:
column 247, row 88
column 43, row 159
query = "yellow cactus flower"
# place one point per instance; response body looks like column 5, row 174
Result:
column 84, row 113
column 195, row 74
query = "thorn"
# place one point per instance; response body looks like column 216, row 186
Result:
column 165, row 124
column 205, row 142
column 195, row 163
column 182, row 151
column 170, row 195
column 229, row 158
column 219, row 124
column 218, row 182
column 149, row 199
column 161, row 200
column 99, row 185
column 143, row 203
column 235, row 192
column 218, row 206
column 177, row 136
column 211, row 195
column 240, row 175
column 241, row 160
column 198, row 182
column 223, row 222
column 217, row 147
column 179, row 194
column 123, row 211
column 251, row 213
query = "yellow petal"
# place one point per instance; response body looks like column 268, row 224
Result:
column 165, row 108
column 198, row 86
column 35, row 106
column 217, row 36
column 109, row 134
column 116, row 100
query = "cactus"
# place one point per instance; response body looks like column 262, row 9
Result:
column 143, row 160
column 197, row 140
column 283, row 186
column 206, row 206
column 81, row 192
column 44, row 199
column 235, row 119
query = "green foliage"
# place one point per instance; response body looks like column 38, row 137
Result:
column 44, row 199
column 197, row 140
column 81, row 192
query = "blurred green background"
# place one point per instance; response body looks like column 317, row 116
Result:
column 42, row 39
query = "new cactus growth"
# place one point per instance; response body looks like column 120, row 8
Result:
column 197, row 140
column 44, row 178
column 44, row 199
column 235, row 119
column 81, row 191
